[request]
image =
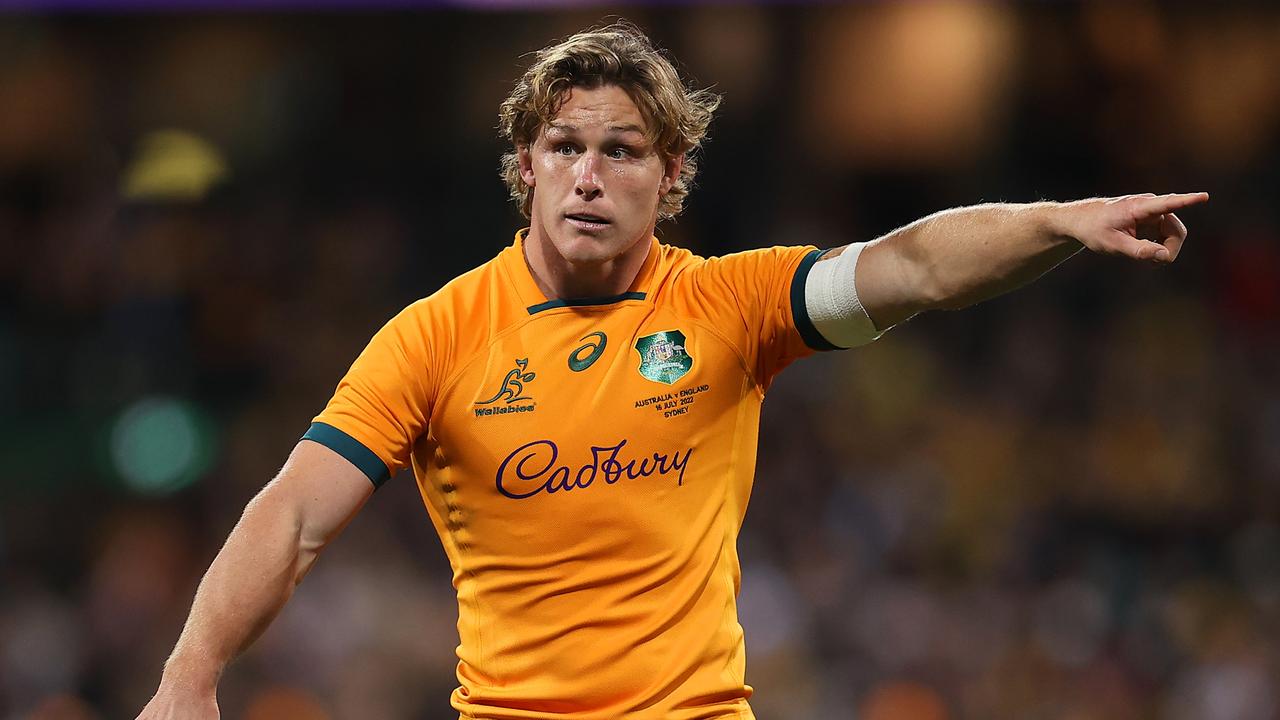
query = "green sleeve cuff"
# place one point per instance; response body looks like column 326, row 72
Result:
column 799, row 312
column 348, row 447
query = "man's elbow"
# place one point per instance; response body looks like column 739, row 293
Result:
column 276, row 516
column 940, row 287
column 954, row 298
column 930, row 286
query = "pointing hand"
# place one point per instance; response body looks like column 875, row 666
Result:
column 1142, row 227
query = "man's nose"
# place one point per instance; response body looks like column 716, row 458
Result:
column 588, row 183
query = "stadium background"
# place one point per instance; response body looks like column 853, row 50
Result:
column 1061, row 504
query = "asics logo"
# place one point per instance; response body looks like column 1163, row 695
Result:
column 578, row 361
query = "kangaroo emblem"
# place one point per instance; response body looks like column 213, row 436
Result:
column 512, row 388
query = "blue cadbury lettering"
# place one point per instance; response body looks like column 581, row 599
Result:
column 531, row 469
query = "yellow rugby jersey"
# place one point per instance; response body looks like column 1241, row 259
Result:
column 587, row 464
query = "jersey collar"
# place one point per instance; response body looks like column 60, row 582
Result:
column 533, row 299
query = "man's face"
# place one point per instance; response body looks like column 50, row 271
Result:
column 596, row 180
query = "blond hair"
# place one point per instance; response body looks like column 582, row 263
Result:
column 619, row 54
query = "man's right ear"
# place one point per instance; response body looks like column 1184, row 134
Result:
column 526, row 164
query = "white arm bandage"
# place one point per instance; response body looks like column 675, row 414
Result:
column 832, row 301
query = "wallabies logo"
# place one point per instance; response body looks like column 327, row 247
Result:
column 512, row 389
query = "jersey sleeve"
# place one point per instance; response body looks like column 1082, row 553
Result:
column 383, row 404
column 759, row 298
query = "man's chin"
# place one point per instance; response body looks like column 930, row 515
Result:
column 581, row 249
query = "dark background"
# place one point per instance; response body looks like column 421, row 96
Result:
column 1058, row 504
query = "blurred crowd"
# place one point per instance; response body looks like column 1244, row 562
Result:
column 1063, row 504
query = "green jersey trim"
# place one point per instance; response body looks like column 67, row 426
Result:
column 584, row 302
column 800, row 313
column 348, row 447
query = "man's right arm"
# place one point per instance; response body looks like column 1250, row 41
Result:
column 279, row 536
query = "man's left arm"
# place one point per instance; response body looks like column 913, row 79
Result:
column 959, row 257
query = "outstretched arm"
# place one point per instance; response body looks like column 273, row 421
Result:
column 958, row 257
column 276, row 542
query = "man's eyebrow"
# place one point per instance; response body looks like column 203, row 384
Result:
column 568, row 128
column 629, row 127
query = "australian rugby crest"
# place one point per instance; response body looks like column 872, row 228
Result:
column 663, row 357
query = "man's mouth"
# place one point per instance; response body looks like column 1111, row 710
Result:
column 587, row 219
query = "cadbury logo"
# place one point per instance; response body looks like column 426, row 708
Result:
column 531, row 469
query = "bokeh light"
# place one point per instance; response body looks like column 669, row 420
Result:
column 173, row 165
column 160, row 445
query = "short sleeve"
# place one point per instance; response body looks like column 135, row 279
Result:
column 383, row 404
column 759, row 294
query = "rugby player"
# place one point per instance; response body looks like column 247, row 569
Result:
column 581, row 412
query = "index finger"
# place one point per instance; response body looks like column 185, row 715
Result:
column 1162, row 204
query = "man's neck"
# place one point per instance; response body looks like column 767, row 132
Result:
column 558, row 278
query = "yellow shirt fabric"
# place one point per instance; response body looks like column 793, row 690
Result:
column 587, row 464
